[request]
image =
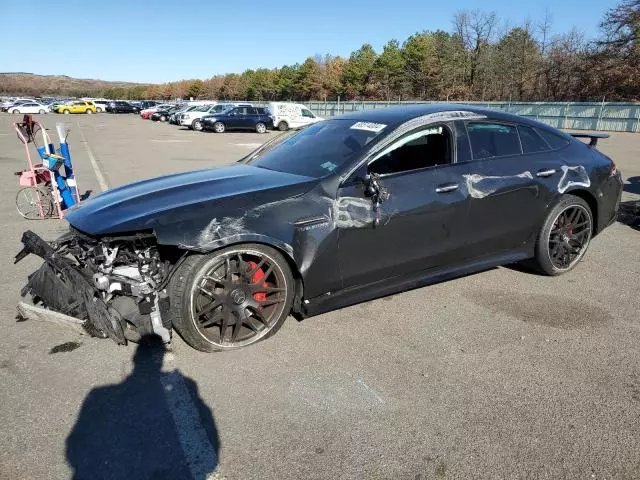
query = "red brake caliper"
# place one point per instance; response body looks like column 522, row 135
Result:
column 257, row 277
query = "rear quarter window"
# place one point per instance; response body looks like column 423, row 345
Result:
column 553, row 139
column 531, row 140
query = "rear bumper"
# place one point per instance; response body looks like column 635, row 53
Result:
column 609, row 197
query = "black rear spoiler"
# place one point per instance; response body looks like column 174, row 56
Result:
column 593, row 136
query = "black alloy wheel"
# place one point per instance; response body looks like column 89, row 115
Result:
column 565, row 236
column 231, row 298
column 569, row 237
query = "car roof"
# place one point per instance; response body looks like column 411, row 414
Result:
column 400, row 114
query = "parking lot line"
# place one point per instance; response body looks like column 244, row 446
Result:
column 198, row 451
column 94, row 164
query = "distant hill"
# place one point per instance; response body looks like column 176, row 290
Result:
column 20, row 83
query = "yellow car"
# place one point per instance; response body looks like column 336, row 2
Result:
column 76, row 107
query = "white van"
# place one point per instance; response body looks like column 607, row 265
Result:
column 291, row 115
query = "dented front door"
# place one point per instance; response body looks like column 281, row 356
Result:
column 421, row 225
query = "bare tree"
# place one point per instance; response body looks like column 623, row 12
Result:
column 476, row 28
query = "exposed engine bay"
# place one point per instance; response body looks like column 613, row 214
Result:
column 115, row 285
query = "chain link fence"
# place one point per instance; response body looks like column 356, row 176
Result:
column 612, row 117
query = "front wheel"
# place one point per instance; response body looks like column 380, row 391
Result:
column 88, row 111
column 231, row 298
column 218, row 127
column 163, row 118
column 565, row 236
column 66, row 112
column 261, row 128
column 41, row 112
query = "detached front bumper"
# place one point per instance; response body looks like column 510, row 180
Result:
column 64, row 288
column 124, row 309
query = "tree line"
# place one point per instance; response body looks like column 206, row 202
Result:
column 478, row 59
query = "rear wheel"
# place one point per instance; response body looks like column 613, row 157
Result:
column 196, row 125
column 231, row 298
column 98, row 109
column 15, row 111
column 282, row 126
column 163, row 118
column 66, row 112
column 261, row 128
column 218, row 127
column 565, row 236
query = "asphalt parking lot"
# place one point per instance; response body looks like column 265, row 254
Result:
column 501, row 374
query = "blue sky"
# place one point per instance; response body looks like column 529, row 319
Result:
column 165, row 40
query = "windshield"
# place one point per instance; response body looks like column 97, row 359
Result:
column 220, row 108
column 318, row 150
column 203, row 108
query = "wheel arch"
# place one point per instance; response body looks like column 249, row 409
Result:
column 588, row 197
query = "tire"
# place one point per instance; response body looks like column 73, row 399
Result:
column 15, row 111
column 66, row 112
column 218, row 127
column 88, row 111
column 564, row 237
column 41, row 112
column 163, row 118
column 282, row 126
column 30, row 200
column 261, row 127
column 98, row 110
column 190, row 299
column 196, row 125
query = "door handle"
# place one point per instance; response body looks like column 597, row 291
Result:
column 546, row 173
column 447, row 187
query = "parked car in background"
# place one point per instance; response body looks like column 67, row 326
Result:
column 192, row 118
column 144, row 104
column 173, row 119
column 163, row 114
column 147, row 112
column 291, row 115
column 120, row 106
column 29, row 107
column 239, row 118
column 5, row 106
column 101, row 105
column 79, row 106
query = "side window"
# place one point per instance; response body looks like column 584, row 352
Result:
column 427, row 147
column 493, row 140
column 531, row 141
column 252, row 111
column 554, row 141
column 307, row 113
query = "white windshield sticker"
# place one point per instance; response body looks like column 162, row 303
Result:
column 368, row 126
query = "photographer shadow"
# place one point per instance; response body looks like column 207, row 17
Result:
column 153, row 425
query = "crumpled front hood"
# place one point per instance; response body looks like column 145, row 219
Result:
column 163, row 200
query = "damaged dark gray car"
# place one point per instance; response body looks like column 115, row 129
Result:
column 343, row 211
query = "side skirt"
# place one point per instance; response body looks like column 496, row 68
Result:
column 362, row 293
